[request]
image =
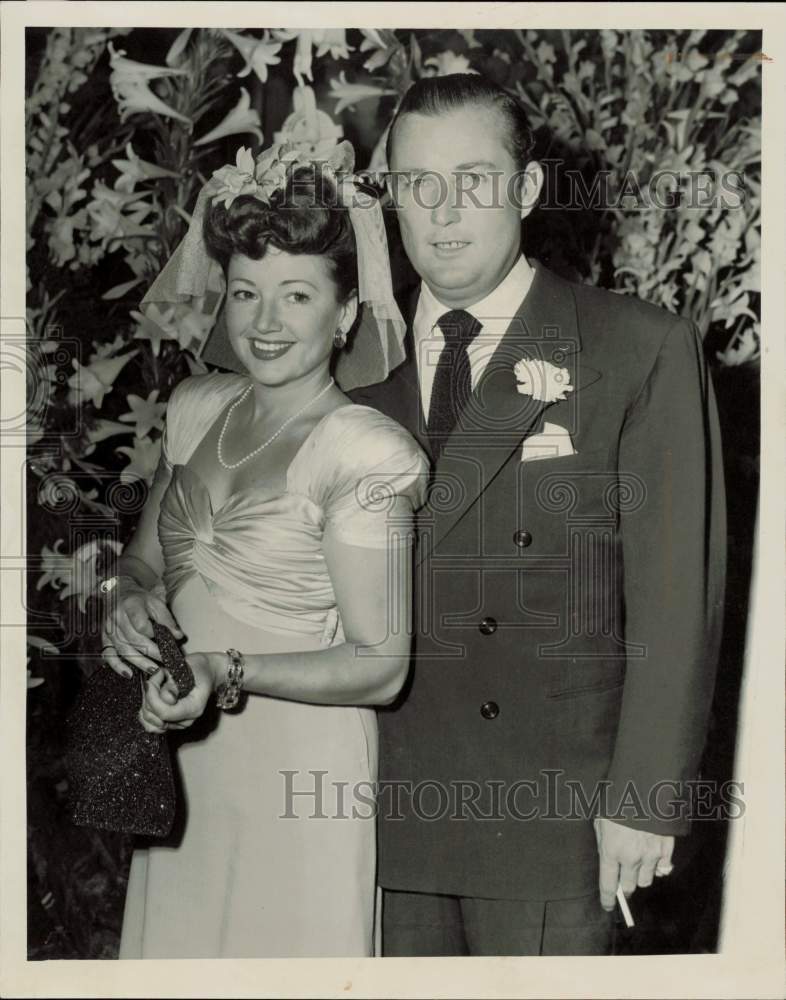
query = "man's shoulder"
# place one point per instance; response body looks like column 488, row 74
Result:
column 618, row 309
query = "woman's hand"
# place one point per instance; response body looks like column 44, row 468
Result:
column 161, row 710
column 127, row 634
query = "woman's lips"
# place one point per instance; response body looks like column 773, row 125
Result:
column 269, row 350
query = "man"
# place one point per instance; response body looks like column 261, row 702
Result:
column 569, row 569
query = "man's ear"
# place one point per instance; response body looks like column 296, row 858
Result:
column 349, row 313
column 530, row 186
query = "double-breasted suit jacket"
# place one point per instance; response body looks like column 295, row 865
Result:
column 567, row 609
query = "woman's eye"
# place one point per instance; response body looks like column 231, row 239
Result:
column 299, row 297
column 242, row 295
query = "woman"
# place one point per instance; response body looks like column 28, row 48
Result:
column 268, row 527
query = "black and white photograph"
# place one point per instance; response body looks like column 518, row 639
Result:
column 392, row 447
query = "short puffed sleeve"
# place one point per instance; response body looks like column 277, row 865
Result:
column 368, row 475
column 193, row 406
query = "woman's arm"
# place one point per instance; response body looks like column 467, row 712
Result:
column 373, row 588
column 127, row 629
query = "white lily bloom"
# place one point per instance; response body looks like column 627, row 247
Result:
column 135, row 97
column 348, row 94
column 448, row 62
column 90, row 383
column 259, row 53
column 129, row 81
column 133, row 170
column 143, row 460
column 241, row 119
column 123, row 69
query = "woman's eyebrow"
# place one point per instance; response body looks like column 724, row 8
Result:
column 299, row 281
column 246, row 281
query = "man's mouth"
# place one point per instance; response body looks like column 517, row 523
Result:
column 269, row 350
column 450, row 245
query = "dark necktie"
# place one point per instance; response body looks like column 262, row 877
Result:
column 453, row 377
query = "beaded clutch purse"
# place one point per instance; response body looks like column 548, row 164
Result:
column 120, row 775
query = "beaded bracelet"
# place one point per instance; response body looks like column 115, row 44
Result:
column 228, row 693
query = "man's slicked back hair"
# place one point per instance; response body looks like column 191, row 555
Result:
column 439, row 95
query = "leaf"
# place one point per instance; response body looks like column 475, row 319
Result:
column 120, row 290
column 43, row 644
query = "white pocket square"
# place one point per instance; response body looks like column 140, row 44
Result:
column 552, row 442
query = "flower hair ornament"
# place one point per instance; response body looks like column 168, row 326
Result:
column 192, row 276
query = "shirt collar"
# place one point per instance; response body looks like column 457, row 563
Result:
column 502, row 303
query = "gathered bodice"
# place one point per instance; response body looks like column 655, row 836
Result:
column 261, row 553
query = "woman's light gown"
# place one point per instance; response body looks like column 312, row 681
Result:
column 277, row 853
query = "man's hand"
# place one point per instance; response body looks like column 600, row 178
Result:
column 629, row 858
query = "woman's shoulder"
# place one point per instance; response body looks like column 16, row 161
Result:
column 196, row 390
column 193, row 406
column 355, row 444
column 360, row 432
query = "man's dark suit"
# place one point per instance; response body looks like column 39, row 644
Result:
column 567, row 609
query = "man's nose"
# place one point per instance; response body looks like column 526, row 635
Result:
column 446, row 211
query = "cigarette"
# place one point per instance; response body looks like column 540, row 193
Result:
column 623, row 904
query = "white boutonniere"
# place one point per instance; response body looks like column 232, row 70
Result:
column 542, row 380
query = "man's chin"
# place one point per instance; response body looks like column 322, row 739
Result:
column 451, row 276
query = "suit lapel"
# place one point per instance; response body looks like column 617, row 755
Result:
column 498, row 417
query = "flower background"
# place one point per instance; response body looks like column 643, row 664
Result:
column 124, row 126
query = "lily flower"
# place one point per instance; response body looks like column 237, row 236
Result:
column 446, row 63
column 155, row 325
column 107, row 348
column 104, row 429
column 236, row 180
column 123, row 69
column 133, row 170
column 743, row 348
column 90, row 383
column 143, row 460
column 193, row 326
column 382, row 44
column 259, row 53
column 115, row 215
column 332, row 40
column 145, row 414
column 242, row 118
column 129, row 81
column 137, row 98
column 73, row 575
column 349, row 94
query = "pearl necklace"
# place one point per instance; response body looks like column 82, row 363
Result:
column 272, row 438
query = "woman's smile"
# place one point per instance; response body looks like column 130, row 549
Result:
column 269, row 350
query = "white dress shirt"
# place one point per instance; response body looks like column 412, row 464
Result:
column 494, row 313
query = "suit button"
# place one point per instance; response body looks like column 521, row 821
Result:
column 489, row 709
column 522, row 539
column 488, row 626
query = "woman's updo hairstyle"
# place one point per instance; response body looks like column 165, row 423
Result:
column 303, row 217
